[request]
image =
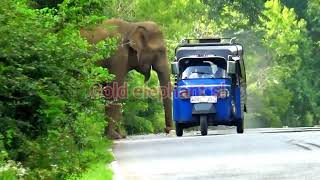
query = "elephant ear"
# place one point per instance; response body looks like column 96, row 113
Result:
column 138, row 39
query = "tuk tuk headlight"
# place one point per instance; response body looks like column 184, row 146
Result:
column 224, row 93
column 184, row 94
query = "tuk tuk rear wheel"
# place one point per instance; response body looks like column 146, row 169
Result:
column 179, row 129
column 203, row 125
column 240, row 126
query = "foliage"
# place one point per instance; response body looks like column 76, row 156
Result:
column 313, row 16
column 143, row 112
column 97, row 171
column 45, row 3
column 287, row 38
column 49, row 124
column 248, row 9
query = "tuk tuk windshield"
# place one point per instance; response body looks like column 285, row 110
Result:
column 203, row 70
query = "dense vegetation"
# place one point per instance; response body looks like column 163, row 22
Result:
column 51, row 122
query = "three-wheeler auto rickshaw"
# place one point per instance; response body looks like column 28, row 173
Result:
column 210, row 84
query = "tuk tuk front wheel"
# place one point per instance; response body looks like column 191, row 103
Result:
column 203, row 125
column 240, row 126
column 179, row 129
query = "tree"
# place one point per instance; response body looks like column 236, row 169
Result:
column 287, row 38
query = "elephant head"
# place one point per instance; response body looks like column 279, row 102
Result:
column 147, row 41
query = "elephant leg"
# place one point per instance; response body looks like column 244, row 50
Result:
column 168, row 118
column 113, row 113
column 165, row 93
column 113, row 96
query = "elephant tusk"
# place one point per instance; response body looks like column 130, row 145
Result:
column 130, row 42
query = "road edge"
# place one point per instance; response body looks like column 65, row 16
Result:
column 115, row 167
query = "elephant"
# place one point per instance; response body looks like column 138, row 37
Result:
column 141, row 48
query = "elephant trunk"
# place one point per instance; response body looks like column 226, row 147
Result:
column 147, row 73
column 162, row 69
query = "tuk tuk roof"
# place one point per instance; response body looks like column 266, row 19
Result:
column 208, row 47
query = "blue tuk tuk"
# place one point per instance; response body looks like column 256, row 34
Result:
column 210, row 84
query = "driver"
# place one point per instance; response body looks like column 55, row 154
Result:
column 195, row 74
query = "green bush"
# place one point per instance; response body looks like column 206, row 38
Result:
column 51, row 124
column 143, row 113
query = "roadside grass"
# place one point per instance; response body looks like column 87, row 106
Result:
column 98, row 171
column 98, row 167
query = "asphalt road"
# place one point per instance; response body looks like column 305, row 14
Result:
column 256, row 154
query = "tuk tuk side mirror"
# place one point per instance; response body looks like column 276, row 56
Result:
column 231, row 67
column 175, row 68
column 236, row 58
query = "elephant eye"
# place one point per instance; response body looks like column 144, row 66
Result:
column 161, row 50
